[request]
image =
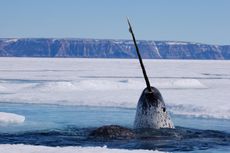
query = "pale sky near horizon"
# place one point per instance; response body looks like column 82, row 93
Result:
column 205, row 21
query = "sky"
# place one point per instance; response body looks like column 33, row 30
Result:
column 204, row 21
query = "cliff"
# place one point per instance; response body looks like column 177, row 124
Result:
column 99, row 48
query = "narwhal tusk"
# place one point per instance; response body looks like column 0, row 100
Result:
column 139, row 56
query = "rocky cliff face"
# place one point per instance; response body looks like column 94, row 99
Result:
column 94, row 48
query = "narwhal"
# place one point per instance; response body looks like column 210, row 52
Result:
column 151, row 110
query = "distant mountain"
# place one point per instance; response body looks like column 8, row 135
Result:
column 96, row 48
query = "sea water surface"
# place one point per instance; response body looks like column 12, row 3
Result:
column 55, row 125
column 63, row 100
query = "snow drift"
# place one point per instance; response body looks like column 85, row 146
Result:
column 126, row 84
column 11, row 118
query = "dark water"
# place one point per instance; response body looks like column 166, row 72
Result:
column 179, row 139
column 53, row 125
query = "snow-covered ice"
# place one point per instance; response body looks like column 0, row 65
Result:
column 11, row 118
column 189, row 87
column 11, row 40
column 43, row 149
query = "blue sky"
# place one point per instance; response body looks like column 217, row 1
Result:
column 205, row 21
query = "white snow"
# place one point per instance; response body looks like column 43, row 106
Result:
column 20, row 148
column 126, row 84
column 198, row 88
column 176, row 43
column 2, row 88
column 10, row 118
column 11, row 40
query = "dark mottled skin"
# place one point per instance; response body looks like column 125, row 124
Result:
column 112, row 132
column 150, row 98
column 151, row 111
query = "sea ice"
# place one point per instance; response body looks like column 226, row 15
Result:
column 189, row 87
column 43, row 149
column 11, row 118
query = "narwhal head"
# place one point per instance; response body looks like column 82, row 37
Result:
column 151, row 111
column 151, row 98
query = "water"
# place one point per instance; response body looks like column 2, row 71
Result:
column 55, row 125
column 40, row 117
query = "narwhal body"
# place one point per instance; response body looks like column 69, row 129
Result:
column 151, row 111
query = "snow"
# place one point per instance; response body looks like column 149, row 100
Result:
column 126, row 84
column 2, row 88
column 11, row 118
column 41, row 149
column 11, row 40
column 190, row 88
column 176, row 43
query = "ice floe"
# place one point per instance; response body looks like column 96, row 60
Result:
column 11, row 118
